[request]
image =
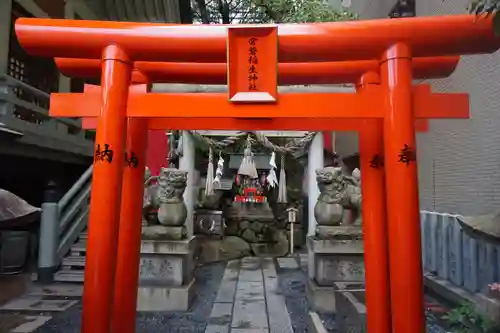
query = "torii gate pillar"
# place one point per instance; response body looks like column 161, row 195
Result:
column 106, row 191
column 371, row 152
column 402, row 193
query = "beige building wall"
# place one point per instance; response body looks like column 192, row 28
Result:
column 459, row 160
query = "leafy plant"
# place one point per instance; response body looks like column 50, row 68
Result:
column 486, row 8
column 267, row 11
column 465, row 319
column 302, row 11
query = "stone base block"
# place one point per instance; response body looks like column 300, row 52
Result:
column 335, row 260
column 351, row 308
column 166, row 263
column 151, row 298
column 321, row 299
column 161, row 232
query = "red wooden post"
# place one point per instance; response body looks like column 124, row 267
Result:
column 406, row 274
column 374, row 219
column 129, row 239
column 106, row 192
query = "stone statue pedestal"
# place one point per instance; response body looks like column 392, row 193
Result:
column 335, row 254
column 166, row 280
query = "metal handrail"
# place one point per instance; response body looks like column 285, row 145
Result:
column 73, row 214
column 73, row 191
column 69, row 215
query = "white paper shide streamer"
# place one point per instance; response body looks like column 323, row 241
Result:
column 272, row 180
column 282, row 195
column 247, row 166
column 218, row 172
column 209, row 184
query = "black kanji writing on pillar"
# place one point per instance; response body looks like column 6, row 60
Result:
column 407, row 155
column 132, row 160
column 103, row 155
column 253, row 60
column 253, row 75
column 252, row 50
column 377, row 161
column 252, row 70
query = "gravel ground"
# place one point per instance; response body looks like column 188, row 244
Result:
column 208, row 279
column 432, row 326
column 292, row 283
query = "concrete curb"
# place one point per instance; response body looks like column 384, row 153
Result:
column 456, row 295
column 315, row 323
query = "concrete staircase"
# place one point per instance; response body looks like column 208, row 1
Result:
column 73, row 265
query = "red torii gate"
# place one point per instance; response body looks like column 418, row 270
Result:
column 392, row 41
column 370, row 142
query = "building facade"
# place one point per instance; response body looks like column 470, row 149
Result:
column 459, row 160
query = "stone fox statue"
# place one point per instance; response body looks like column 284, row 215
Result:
column 338, row 192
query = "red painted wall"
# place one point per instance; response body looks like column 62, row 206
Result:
column 157, row 154
column 327, row 141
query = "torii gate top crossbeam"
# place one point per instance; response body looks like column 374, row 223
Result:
column 337, row 41
column 288, row 73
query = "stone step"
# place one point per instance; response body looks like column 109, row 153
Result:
column 69, row 276
column 77, row 262
column 78, row 249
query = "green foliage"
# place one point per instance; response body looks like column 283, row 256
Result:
column 266, row 11
column 465, row 319
column 302, row 11
column 486, row 8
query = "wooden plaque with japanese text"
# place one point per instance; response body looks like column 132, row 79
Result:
column 253, row 64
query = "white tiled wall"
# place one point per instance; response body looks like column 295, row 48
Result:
column 459, row 160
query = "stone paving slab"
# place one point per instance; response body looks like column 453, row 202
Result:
column 33, row 303
column 221, row 309
column 250, row 275
column 250, row 290
column 217, row 329
column 232, row 270
column 226, row 292
column 279, row 319
column 251, row 263
column 32, row 323
column 250, row 314
column 251, row 330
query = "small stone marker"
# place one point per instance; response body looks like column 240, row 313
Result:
column 288, row 263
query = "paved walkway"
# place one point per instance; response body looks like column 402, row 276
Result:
column 249, row 300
